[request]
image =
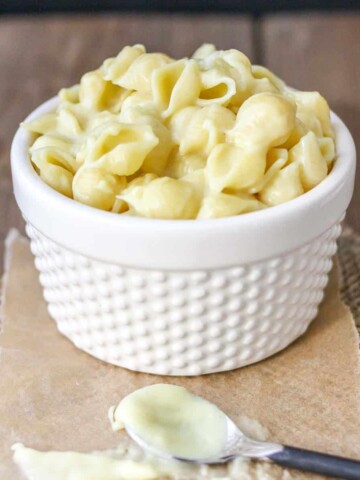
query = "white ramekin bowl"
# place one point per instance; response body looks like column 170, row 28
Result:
column 183, row 297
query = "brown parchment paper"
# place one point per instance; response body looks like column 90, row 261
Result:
column 53, row 396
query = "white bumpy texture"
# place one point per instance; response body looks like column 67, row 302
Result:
column 178, row 322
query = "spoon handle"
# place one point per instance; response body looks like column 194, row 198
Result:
column 315, row 462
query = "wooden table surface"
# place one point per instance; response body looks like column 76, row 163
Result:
column 41, row 54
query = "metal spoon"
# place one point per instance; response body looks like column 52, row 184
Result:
column 238, row 445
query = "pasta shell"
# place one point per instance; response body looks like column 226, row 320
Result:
column 176, row 86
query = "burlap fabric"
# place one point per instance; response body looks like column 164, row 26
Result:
column 349, row 258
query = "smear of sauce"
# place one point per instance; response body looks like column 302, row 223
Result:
column 79, row 466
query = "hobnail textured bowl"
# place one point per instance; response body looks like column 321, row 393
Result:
column 183, row 323
column 183, row 297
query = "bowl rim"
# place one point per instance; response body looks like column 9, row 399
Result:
column 27, row 181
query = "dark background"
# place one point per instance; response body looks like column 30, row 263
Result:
column 255, row 7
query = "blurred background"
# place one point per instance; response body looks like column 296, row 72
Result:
column 45, row 45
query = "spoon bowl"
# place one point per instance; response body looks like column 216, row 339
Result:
column 236, row 444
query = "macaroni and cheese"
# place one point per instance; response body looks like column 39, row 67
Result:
column 202, row 137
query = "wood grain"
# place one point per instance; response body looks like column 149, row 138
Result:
column 39, row 55
column 320, row 52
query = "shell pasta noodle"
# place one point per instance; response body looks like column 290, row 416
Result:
column 193, row 138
